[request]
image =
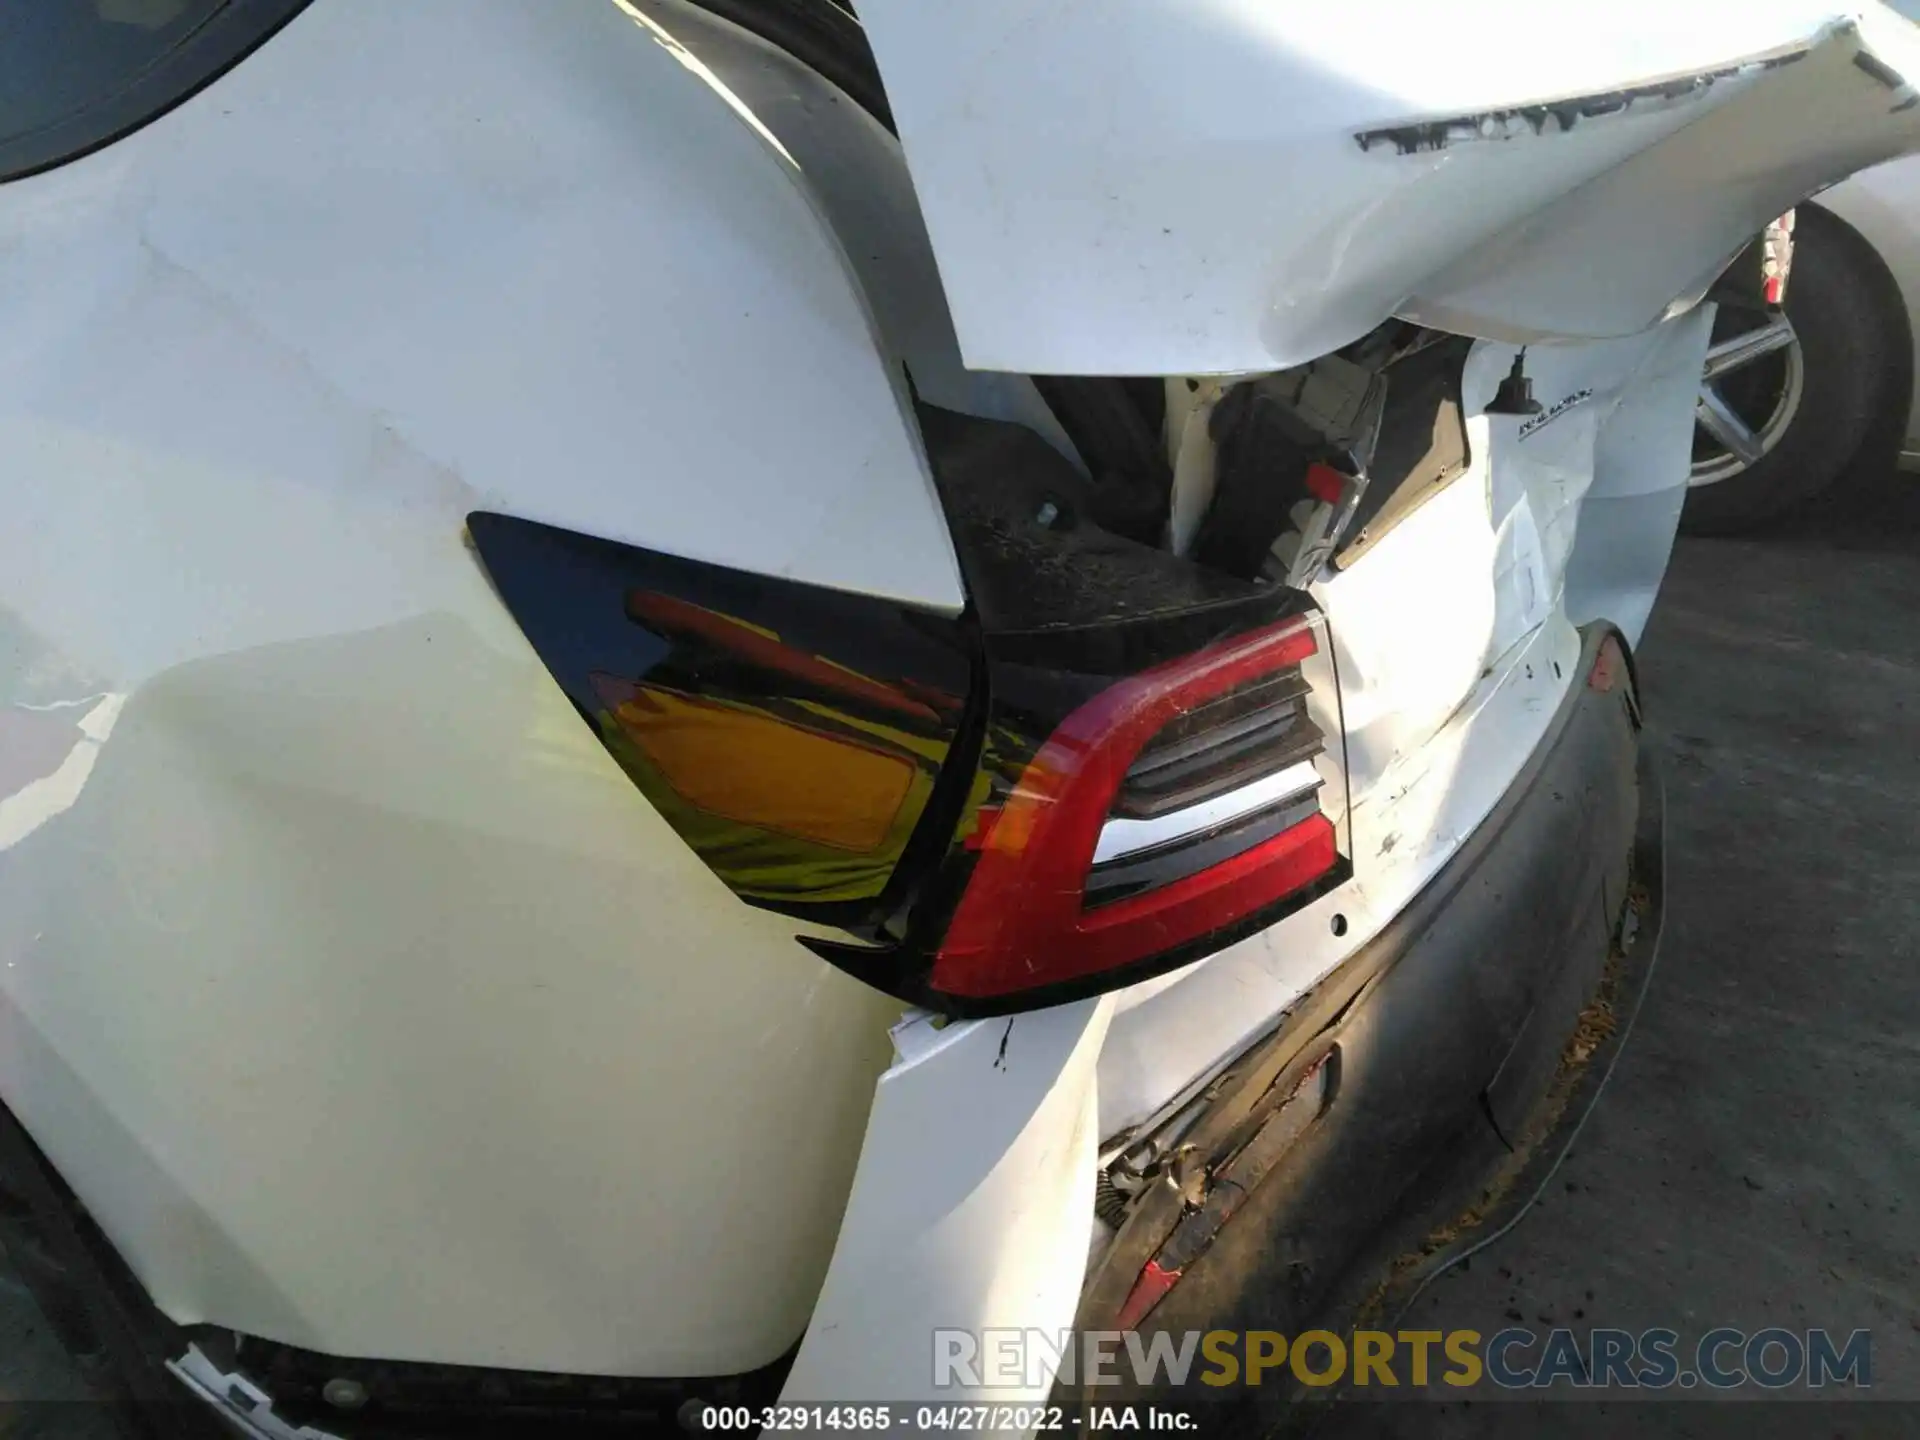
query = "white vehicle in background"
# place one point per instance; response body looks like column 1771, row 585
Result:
column 1799, row 397
column 653, row 743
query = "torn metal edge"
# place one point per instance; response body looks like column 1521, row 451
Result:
column 1561, row 116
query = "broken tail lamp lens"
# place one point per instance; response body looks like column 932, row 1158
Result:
column 1172, row 810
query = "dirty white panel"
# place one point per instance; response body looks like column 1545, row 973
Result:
column 855, row 172
column 972, row 1208
column 479, row 222
column 346, row 977
column 1455, row 639
column 1184, row 186
column 1642, row 457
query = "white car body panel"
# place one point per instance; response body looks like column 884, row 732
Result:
column 852, row 170
column 429, row 1039
column 366, row 266
column 1162, row 187
column 350, row 982
column 1883, row 204
column 1444, row 702
column 971, row 1208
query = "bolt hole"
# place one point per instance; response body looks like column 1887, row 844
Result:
column 1339, row 925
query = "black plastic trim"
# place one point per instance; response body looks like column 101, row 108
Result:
column 1221, row 746
column 822, row 35
column 1422, row 447
column 782, row 664
column 176, row 75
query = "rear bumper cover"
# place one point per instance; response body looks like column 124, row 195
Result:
column 1448, row 1041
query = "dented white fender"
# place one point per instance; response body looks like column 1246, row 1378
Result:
column 1183, row 186
column 344, row 975
column 971, row 1208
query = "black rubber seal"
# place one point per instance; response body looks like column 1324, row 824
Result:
column 175, row 75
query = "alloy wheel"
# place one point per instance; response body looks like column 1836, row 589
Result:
column 1750, row 391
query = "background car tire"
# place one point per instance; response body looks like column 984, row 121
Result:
column 1857, row 379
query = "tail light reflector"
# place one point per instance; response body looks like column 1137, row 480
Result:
column 1029, row 917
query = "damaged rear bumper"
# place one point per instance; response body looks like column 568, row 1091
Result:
column 1442, row 1066
column 1435, row 1040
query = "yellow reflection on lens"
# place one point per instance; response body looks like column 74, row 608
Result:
column 760, row 770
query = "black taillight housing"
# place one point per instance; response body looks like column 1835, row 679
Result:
column 1114, row 762
column 1159, row 768
column 795, row 737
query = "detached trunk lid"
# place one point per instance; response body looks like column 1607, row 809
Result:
column 1187, row 186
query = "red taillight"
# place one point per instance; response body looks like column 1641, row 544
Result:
column 1024, row 923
